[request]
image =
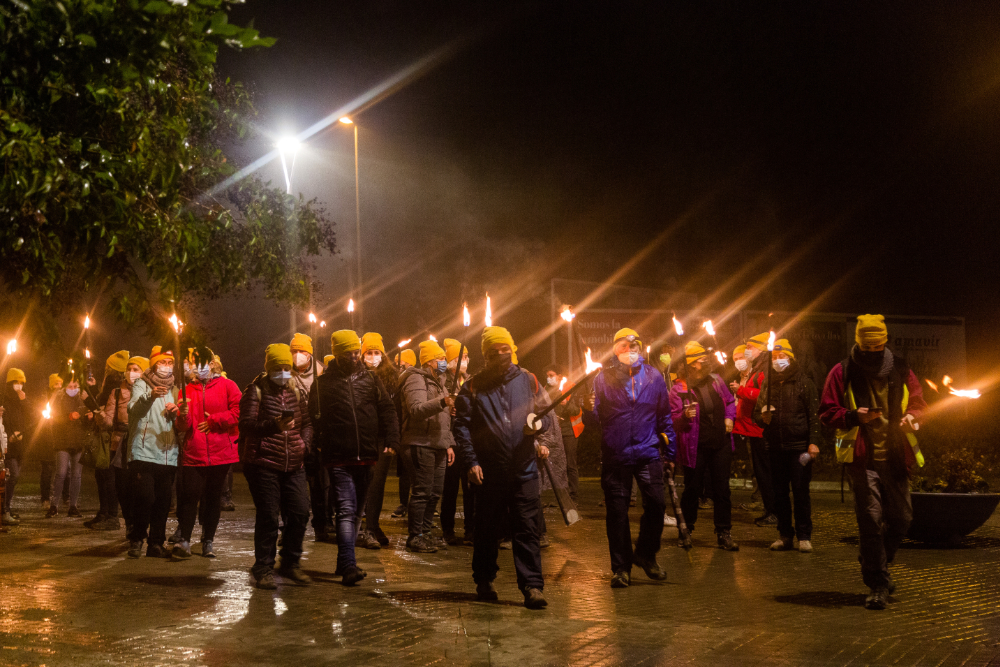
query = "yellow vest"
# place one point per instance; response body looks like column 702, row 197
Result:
column 846, row 439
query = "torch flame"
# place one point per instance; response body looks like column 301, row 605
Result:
column 567, row 314
column 770, row 342
column 312, row 317
column 489, row 312
column 323, row 323
column 87, row 353
column 562, row 384
column 932, row 385
column 430, row 337
column 591, row 364
column 12, row 346
column 677, row 326
column 47, row 412
column 466, row 319
column 350, row 305
column 946, row 380
column 721, row 356
column 175, row 322
column 404, row 343
column 961, row 393
column 86, row 322
column 707, row 324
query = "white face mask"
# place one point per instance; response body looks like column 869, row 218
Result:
column 465, row 365
column 552, row 380
column 18, row 387
column 742, row 365
column 373, row 359
column 204, row 372
column 301, row 359
column 780, row 364
column 72, row 392
column 163, row 370
column 133, row 376
column 628, row 358
column 280, row 377
column 748, row 355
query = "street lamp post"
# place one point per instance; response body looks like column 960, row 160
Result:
column 357, row 218
column 288, row 145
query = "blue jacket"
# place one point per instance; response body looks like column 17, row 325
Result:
column 490, row 415
column 632, row 406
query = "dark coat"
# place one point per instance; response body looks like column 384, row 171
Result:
column 795, row 424
column 264, row 443
column 15, row 418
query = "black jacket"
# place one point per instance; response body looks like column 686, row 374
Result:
column 353, row 415
column 15, row 418
column 795, row 424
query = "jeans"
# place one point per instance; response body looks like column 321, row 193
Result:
column 276, row 493
column 200, row 492
column 349, row 485
column 570, row 443
column 454, row 478
column 106, row 492
column 319, row 492
column 426, row 467
column 376, row 492
column 517, row 502
column 884, row 511
column 13, row 473
column 761, row 461
column 68, row 463
column 152, row 485
column 715, row 462
column 787, row 471
column 616, row 481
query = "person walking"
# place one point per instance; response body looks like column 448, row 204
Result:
column 16, row 423
column 787, row 409
column 751, row 379
column 875, row 402
column 70, row 419
column 44, row 448
column 115, row 416
column 454, row 477
column 114, row 373
column 405, row 359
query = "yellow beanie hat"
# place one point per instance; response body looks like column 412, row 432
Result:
column 344, row 340
column 871, row 330
column 782, row 345
column 277, row 354
column 54, row 379
column 759, row 341
column 739, row 351
column 408, row 357
column 217, row 359
column 451, row 349
column 301, row 343
column 141, row 362
column 327, row 359
column 429, row 351
column 118, row 361
column 498, row 335
column 158, row 354
column 16, row 375
column 372, row 341
column 625, row 333
column 693, row 350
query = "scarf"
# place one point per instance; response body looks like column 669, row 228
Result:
column 879, row 370
column 154, row 380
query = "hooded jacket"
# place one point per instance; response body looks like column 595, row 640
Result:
column 426, row 419
column 746, row 398
column 632, row 406
column 218, row 403
column 795, row 424
column 491, row 412
column 150, row 430
column 354, row 416
column 260, row 410
column 688, row 430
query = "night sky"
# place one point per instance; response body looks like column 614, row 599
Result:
column 558, row 139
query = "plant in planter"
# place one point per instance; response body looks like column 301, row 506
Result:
column 952, row 498
column 957, row 471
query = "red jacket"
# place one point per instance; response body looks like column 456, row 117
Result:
column 746, row 400
column 218, row 403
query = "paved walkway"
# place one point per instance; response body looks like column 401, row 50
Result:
column 68, row 596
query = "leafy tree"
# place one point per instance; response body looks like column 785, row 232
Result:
column 112, row 129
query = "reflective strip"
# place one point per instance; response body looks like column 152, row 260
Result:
column 577, row 423
column 846, row 439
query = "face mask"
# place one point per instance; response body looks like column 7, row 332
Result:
column 780, row 364
column 163, row 371
column 501, row 362
column 204, row 372
column 346, row 364
column 18, row 387
column 742, row 365
column 280, row 377
column 552, row 380
column 748, row 355
column 665, row 360
column 72, row 392
column 373, row 360
column 871, row 358
column 465, row 364
column 133, row 376
column 442, row 366
column 628, row 358
column 300, row 359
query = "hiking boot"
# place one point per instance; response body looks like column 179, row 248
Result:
column 176, row 537
column 650, row 567
column 766, row 520
column 533, row 599
column 228, row 507
column 782, row 544
column 366, row 540
column 8, row 519
column 53, row 510
column 805, row 546
column 452, row 540
column 380, row 537
column 878, row 598
column 399, row 512
column 92, row 522
column 111, row 523
column 134, row 548
column 420, row 545
column 294, row 573
column 726, row 542
column 506, row 544
column 621, row 579
column 353, row 575
column 486, row 592
column 181, row 550
column 543, row 541
column 207, row 551
column 685, row 542
column 265, row 581
column 156, row 551
column 705, row 504
column 438, row 542
column 74, row 512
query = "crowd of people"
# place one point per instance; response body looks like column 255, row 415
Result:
column 318, row 439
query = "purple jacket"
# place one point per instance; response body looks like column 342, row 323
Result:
column 687, row 429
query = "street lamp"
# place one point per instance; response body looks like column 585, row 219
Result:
column 288, row 146
column 357, row 216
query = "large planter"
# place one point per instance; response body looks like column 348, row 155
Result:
column 948, row 517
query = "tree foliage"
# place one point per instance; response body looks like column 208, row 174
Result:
column 113, row 125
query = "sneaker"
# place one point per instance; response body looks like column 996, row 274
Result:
column 805, row 546
column 53, row 510
column 439, row 542
column 110, row 523
column 381, row 537
column 156, row 551
column 452, row 540
column 8, row 520
column 650, row 567
column 621, row 579
column 294, row 573
column 181, row 550
column 228, row 507
column 506, row 544
column 207, row 551
column 543, row 541
column 134, row 549
column 782, row 544
column 265, row 581
column 684, row 542
column 176, row 537
column 97, row 519
column 669, row 521
column 486, row 592
column 420, row 545
column 533, row 599
column 74, row 512
column 353, row 575
column 399, row 512
column 766, row 520
column 726, row 542
column 878, row 598
column 705, row 504
column 367, row 541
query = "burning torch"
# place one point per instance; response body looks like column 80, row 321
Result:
column 535, row 420
column 350, row 311
column 86, row 349
column 176, row 323
column 466, row 321
column 489, row 312
column 770, row 349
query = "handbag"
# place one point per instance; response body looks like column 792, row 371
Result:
column 96, row 449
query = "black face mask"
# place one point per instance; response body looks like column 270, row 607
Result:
column 347, row 364
column 501, row 362
column 870, row 358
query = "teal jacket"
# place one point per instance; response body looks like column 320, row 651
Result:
column 151, row 435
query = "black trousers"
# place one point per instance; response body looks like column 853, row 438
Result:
column 152, row 485
column 517, row 502
column 275, row 494
column 761, row 461
column 106, row 492
column 455, row 478
column 426, row 468
column 200, row 494
column 717, row 462
column 123, row 491
column 616, row 481
column 376, row 492
column 227, row 489
column 404, row 481
column 318, row 479
column 787, row 472
column 570, row 444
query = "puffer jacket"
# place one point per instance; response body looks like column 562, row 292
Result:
column 688, row 430
column 260, row 410
column 150, row 428
column 426, row 419
column 15, row 419
column 795, row 424
column 632, row 406
column 118, row 427
column 354, row 415
column 68, row 433
column 218, row 403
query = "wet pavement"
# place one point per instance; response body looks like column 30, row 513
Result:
column 68, row 596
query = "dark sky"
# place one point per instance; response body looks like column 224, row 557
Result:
column 560, row 138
